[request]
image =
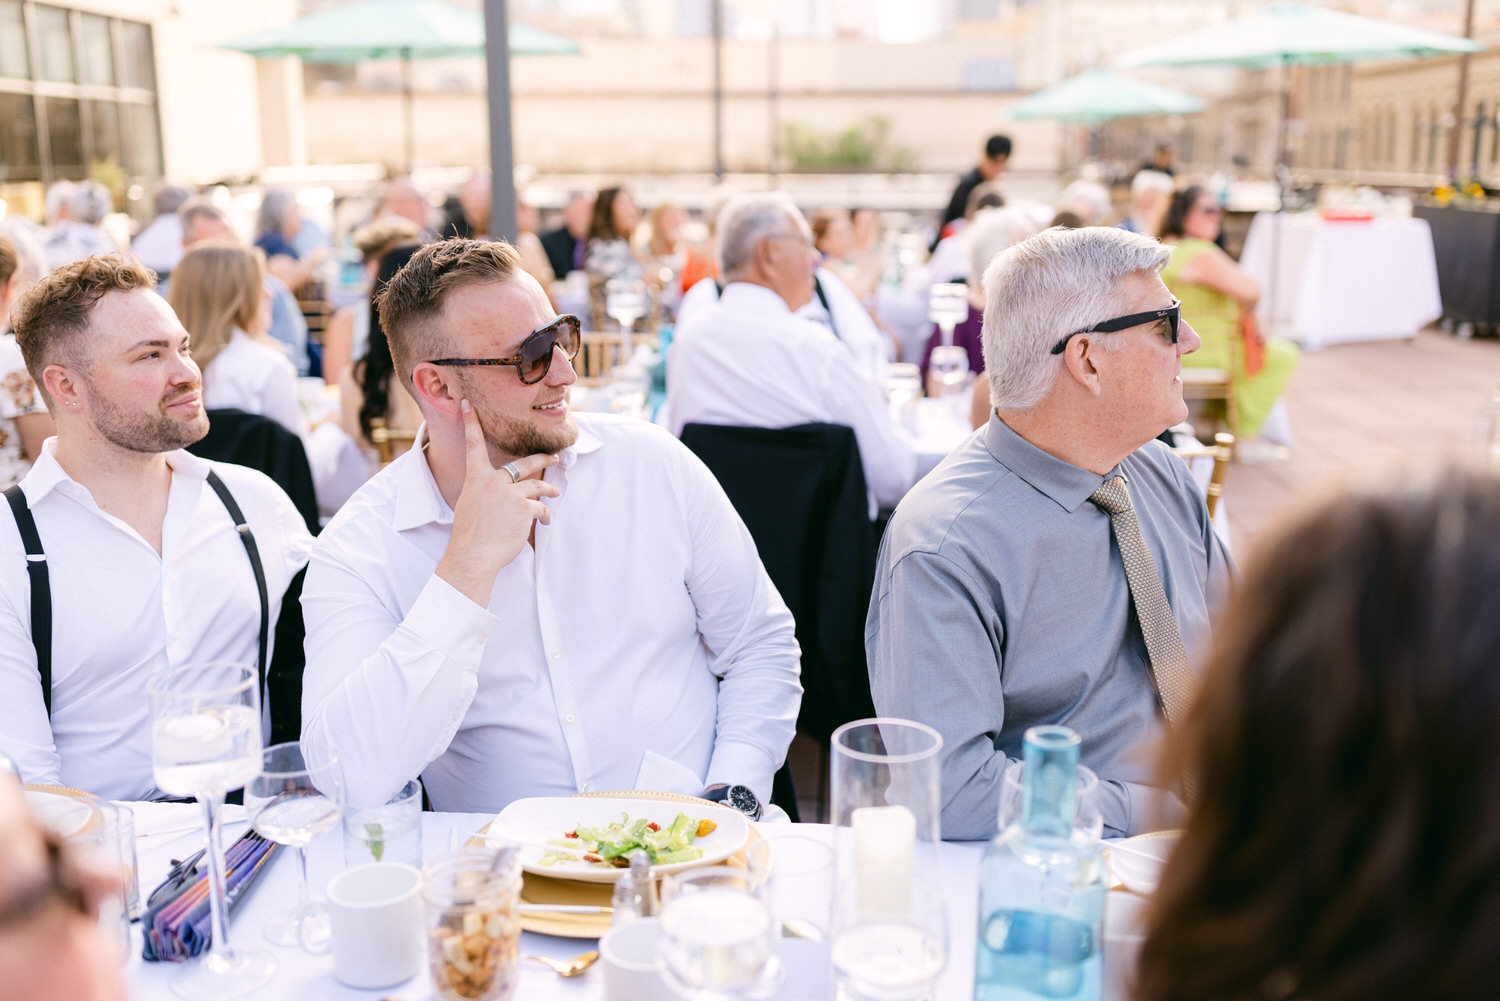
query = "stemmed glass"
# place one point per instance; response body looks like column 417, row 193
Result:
column 948, row 306
column 625, row 300
column 949, row 367
column 205, row 741
column 890, row 924
column 718, row 937
column 298, row 795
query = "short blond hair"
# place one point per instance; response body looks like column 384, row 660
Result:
column 410, row 303
column 51, row 319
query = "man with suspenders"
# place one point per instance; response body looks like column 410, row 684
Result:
column 120, row 553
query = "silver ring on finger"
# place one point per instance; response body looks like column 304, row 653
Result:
column 515, row 474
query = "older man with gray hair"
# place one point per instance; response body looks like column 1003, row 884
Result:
column 1059, row 567
column 748, row 361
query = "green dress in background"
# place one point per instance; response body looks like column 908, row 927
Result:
column 1215, row 316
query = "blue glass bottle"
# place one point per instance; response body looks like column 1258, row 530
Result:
column 1041, row 891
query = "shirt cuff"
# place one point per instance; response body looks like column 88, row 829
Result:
column 742, row 764
column 446, row 620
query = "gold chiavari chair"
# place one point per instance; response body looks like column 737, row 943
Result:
column 1221, row 451
column 384, row 439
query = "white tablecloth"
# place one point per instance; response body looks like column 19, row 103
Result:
column 302, row 976
column 1330, row 282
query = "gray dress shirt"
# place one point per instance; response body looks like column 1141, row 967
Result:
column 1001, row 602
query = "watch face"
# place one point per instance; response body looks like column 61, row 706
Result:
column 743, row 800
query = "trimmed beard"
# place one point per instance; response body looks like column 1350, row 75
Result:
column 148, row 433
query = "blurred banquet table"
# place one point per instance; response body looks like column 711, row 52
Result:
column 165, row 832
column 938, row 426
column 1335, row 282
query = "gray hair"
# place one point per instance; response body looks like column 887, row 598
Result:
column 992, row 232
column 169, row 198
column 1089, row 199
column 1041, row 289
column 196, row 207
column 748, row 219
column 1150, row 180
column 273, row 209
column 58, row 194
column 90, row 202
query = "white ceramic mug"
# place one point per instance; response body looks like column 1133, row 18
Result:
column 375, row 914
column 628, row 954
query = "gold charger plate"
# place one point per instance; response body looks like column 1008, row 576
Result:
column 95, row 818
column 547, row 890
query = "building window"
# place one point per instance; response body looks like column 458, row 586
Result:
column 77, row 94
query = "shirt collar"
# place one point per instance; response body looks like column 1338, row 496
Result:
column 748, row 296
column 1067, row 484
column 419, row 502
column 47, row 474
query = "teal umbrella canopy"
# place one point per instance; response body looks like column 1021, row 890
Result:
column 1099, row 95
column 380, row 29
column 1297, row 34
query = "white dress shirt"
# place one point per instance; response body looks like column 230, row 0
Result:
column 257, row 377
column 121, row 613
column 849, row 321
column 747, row 361
column 639, row 645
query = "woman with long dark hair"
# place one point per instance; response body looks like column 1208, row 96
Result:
column 1344, row 842
column 370, row 391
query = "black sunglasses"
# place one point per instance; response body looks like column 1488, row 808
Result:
column 1172, row 314
column 534, row 360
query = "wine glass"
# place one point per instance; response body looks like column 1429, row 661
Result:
column 717, row 936
column 948, row 306
column 902, row 384
column 298, row 795
column 1088, row 815
column 205, row 741
column 890, row 925
column 949, row 367
column 625, row 300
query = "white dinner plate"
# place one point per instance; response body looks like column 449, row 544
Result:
column 63, row 815
column 1137, row 862
column 529, row 823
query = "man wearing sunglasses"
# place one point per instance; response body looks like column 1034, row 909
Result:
column 1062, row 560
column 530, row 602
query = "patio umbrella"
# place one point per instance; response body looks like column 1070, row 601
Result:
column 1098, row 95
column 1293, row 34
column 399, row 29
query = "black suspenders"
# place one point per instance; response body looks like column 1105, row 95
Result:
column 41, row 588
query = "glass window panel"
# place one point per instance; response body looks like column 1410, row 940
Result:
column 136, row 66
column 19, row 157
column 142, row 139
column 96, row 57
column 64, row 137
column 14, row 60
column 104, row 132
column 56, row 44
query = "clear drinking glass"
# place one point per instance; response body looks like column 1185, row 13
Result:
column 625, row 300
column 794, row 873
column 298, row 795
column 472, row 898
column 1089, row 815
column 948, row 306
column 718, row 936
column 206, row 741
column 388, row 832
column 949, row 368
column 902, row 384
column 889, row 925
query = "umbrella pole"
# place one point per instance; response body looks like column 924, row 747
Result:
column 1283, row 182
column 406, row 107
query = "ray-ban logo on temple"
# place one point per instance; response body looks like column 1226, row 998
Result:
column 534, row 360
column 1172, row 314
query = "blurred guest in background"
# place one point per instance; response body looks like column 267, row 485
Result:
column 468, row 215
column 348, row 334
column 77, row 233
column 55, row 202
column 218, row 292
column 1150, row 191
column 566, row 246
column 529, row 246
column 276, row 225
column 1089, row 201
column 203, row 220
column 24, row 421
column 404, row 200
column 1162, row 159
column 51, row 943
column 370, row 390
column 749, row 360
column 611, row 254
column 833, row 235
column 950, row 258
column 997, row 151
column 1342, row 840
column 159, row 244
column 1219, row 298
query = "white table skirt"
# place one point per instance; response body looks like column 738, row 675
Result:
column 302, row 976
column 1332, row 282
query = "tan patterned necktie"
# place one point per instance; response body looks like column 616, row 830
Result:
column 1169, row 666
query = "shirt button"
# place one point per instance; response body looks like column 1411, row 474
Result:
column 479, row 640
column 556, row 655
column 570, row 717
column 584, row 787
